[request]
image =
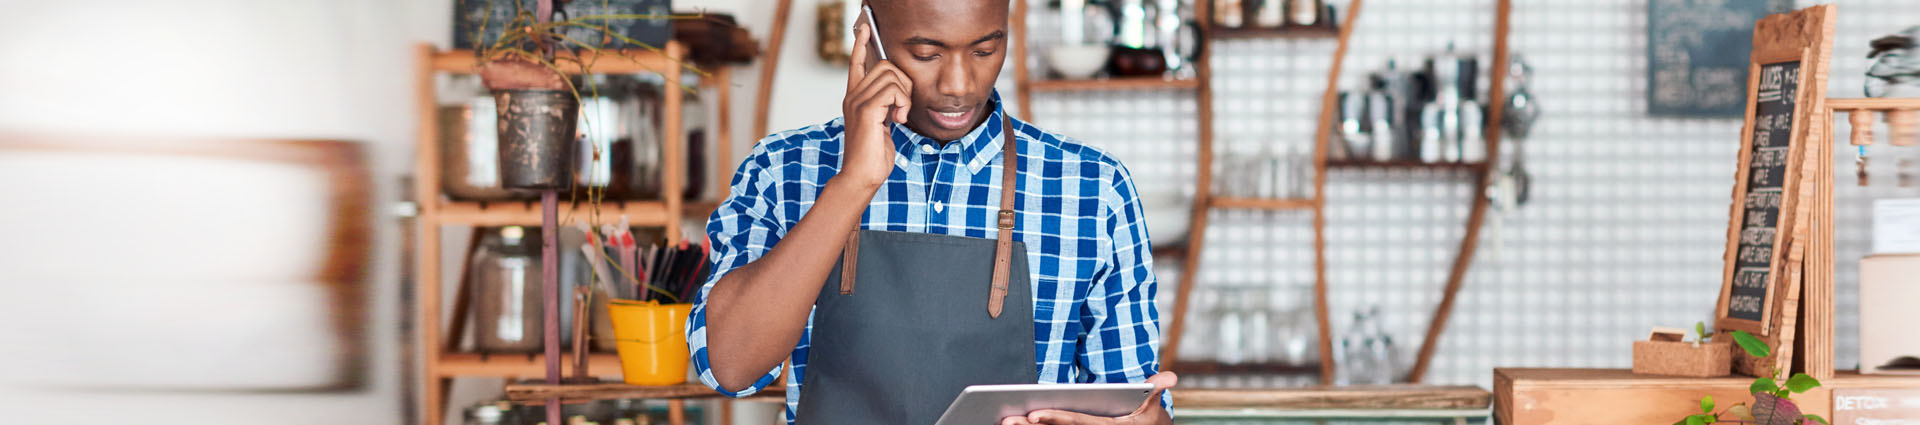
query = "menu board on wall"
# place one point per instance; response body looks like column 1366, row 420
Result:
column 1697, row 55
column 1766, row 184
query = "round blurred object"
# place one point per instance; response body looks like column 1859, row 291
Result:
column 1132, row 62
column 1169, row 215
column 469, row 153
column 1078, row 62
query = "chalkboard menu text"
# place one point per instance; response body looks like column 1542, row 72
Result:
column 1765, row 185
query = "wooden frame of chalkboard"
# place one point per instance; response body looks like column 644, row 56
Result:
column 1762, row 219
column 1779, row 196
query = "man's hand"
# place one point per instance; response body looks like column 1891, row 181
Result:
column 1149, row 413
column 878, row 94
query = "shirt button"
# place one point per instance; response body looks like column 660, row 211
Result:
column 926, row 149
column 939, row 206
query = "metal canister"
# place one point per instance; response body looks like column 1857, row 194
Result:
column 536, row 137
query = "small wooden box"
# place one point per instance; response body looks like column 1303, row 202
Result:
column 1677, row 358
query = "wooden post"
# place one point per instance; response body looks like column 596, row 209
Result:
column 1496, row 111
column 1202, row 198
column 763, row 99
column 1323, row 135
column 550, row 290
column 426, row 194
column 1022, row 87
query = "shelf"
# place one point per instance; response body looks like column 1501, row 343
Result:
column 622, row 61
column 1290, row 31
column 1879, row 104
column 576, row 393
column 1257, row 368
column 1116, row 83
column 639, row 213
column 700, row 209
column 1405, row 397
column 519, row 365
column 1261, row 203
column 1406, row 165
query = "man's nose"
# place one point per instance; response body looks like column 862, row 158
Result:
column 955, row 79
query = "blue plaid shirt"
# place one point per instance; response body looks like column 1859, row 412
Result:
column 1094, row 318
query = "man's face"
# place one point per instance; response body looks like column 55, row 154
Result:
column 952, row 50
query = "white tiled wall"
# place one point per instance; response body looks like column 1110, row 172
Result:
column 1625, row 230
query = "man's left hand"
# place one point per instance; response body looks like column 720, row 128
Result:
column 1149, row 413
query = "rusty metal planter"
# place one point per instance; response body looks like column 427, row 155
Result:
column 536, row 137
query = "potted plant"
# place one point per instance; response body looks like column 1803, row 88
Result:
column 1771, row 403
column 1666, row 353
column 538, row 105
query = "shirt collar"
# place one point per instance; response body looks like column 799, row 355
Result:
column 977, row 148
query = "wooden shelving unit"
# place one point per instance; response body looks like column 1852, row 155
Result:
column 642, row 213
column 1275, row 204
column 1409, row 165
column 1204, row 201
column 441, row 360
column 535, row 393
column 1314, row 31
column 1117, row 83
column 453, row 364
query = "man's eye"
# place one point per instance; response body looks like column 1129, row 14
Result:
column 929, row 58
column 983, row 53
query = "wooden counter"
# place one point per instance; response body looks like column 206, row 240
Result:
column 1456, row 404
column 1617, row 396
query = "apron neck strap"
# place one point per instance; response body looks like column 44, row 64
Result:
column 1003, row 244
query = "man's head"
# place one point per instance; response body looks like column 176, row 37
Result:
column 952, row 50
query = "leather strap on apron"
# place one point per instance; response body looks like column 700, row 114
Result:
column 1003, row 242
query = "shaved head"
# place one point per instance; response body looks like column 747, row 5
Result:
column 953, row 51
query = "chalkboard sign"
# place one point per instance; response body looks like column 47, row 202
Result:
column 1697, row 54
column 1766, row 182
column 1779, row 198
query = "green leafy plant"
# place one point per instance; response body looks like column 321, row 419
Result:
column 1700, row 328
column 1771, row 405
column 531, row 54
column 521, row 56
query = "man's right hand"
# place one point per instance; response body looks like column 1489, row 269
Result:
column 878, row 94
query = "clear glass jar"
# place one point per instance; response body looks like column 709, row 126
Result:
column 1198, row 343
column 1232, row 329
column 507, row 307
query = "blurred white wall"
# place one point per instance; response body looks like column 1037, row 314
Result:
column 338, row 69
column 197, row 69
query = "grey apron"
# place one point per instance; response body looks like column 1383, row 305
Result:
column 898, row 329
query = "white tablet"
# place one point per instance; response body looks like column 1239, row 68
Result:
column 987, row 404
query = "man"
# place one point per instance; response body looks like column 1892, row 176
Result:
column 865, row 247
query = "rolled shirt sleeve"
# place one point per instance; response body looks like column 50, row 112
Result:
column 1123, row 322
column 741, row 230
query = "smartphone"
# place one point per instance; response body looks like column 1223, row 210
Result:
column 875, row 28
